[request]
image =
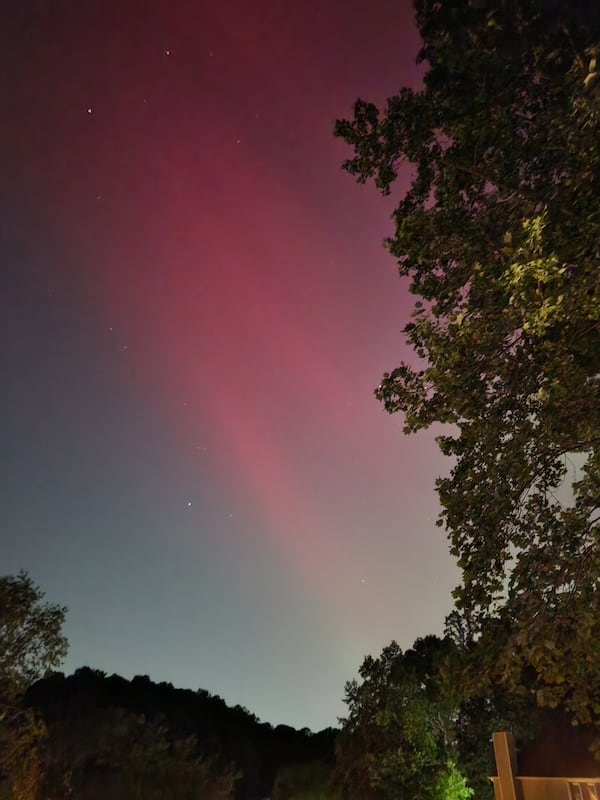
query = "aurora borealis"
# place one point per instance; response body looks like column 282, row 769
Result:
column 196, row 308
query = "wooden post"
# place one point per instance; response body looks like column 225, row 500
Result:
column 506, row 764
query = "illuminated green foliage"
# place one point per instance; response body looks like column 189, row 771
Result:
column 498, row 232
column 451, row 784
column 399, row 739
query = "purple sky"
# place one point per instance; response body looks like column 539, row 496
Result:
column 195, row 309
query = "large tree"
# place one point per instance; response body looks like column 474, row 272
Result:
column 498, row 233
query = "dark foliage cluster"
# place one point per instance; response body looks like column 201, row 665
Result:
column 232, row 736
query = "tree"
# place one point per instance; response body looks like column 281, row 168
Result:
column 31, row 638
column 31, row 642
column 399, row 739
column 499, row 236
column 481, row 710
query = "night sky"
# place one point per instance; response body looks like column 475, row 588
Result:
column 195, row 308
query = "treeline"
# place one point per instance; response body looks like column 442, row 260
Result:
column 418, row 727
column 111, row 737
column 92, row 736
column 411, row 731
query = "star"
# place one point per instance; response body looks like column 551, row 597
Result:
column 189, row 503
column 89, row 109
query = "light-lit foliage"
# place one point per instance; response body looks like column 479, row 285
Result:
column 399, row 737
column 31, row 643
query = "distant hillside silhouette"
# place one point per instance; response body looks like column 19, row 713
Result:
column 234, row 734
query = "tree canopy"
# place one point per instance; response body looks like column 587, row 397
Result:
column 498, row 232
column 400, row 736
column 31, row 639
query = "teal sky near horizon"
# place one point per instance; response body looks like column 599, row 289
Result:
column 195, row 309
